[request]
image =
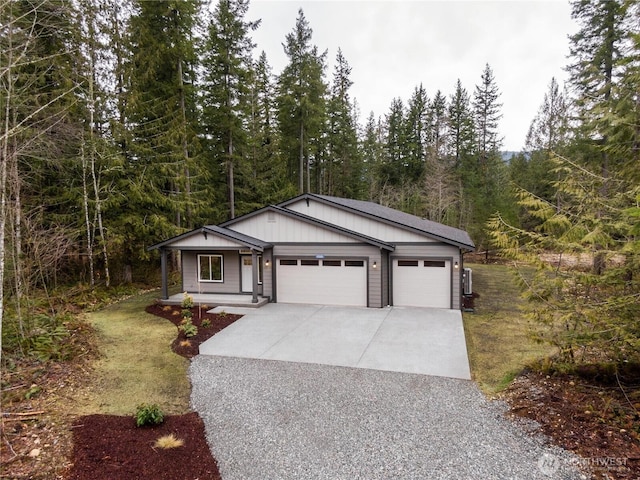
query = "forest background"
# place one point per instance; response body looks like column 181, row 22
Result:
column 127, row 122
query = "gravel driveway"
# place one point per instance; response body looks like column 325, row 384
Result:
column 282, row 420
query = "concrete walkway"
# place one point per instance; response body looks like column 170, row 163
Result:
column 398, row 339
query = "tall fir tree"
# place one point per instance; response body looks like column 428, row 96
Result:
column 487, row 114
column 301, row 101
column 265, row 168
column 416, row 135
column 461, row 147
column 161, row 119
column 342, row 174
column 547, row 137
column 226, row 93
column 487, row 188
column 373, row 153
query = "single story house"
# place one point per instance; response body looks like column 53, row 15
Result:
column 318, row 249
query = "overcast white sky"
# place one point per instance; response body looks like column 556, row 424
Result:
column 393, row 46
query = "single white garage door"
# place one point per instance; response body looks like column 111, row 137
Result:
column 322, row 282
column 421, row 283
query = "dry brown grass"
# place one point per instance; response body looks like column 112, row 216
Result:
column 136, row 365
column 168, row 441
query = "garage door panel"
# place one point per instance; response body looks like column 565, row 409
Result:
column 324, row 282
column 422, row 283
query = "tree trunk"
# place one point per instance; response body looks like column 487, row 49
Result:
column 85, row 206
column 301, row 166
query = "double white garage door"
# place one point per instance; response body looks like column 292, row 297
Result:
column 415, row 282
column 322, row 282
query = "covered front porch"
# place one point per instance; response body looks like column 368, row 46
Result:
column 211, row 300
column 219, row 267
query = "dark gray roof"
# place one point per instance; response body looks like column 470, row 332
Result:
column 241, row 238
column 390, row 215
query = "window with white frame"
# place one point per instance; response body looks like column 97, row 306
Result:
column 210, row 268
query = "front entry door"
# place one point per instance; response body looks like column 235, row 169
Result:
column 247, row 274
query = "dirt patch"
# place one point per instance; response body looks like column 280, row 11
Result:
column 188, row 346
column 108, row 447
column 593, row 417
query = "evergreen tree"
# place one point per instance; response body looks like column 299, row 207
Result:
column 226, row 90
column 373, row 153
column 441, row 188
column 162, row 125
column 547, row 137
column 461, row 127
column 343, row 169
column 438, row 126
column 301, row 103
column 416, row 135
column 487, row 114
column 266, row 169
column 461, row 145
column 599, row 55
column 39, row 140
column 392, row 169
column 487, row 188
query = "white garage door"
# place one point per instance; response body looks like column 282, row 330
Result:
column 421, row 283
column 322, row 282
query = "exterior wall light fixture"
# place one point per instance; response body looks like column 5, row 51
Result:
column 455, row 265
column 375, row 265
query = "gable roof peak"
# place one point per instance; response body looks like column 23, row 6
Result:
column 396, row 217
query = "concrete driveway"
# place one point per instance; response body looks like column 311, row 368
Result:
column 425, row 341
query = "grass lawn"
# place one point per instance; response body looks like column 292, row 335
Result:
column 137, row 364
column 498, row 336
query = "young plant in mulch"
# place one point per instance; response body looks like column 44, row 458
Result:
column 148, row 415
column 187, row 327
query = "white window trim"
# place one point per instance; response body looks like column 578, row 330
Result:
column 200, row 280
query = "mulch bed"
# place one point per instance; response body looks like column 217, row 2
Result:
column 591, row 415
column 110, row 447
column 188, row 347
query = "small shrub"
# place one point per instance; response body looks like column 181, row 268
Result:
column 166, row 308
column 187, row 301
column 185, row 343
column 168, row 441
column 186, row 313
column 175, row 313
column 148, row 415
column 189, row 329
column 205, row 323
column 222, row 314
column 34, row 390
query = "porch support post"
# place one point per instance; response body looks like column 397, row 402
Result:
column 163, row 269
column 254, row 274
